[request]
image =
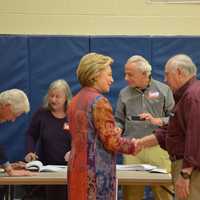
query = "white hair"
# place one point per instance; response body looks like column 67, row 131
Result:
column 182, row 62
column 142, row 64
column 17, row 99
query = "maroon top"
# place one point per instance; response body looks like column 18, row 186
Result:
column 181, row 138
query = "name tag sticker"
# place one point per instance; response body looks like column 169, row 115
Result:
column 153, row 94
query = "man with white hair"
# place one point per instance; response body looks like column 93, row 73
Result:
column 13, row 103
column 181, row 136
column 143, row 106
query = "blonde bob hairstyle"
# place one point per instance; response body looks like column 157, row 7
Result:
column 90, row 66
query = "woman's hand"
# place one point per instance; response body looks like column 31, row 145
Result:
column 30, row 156
column 66, row 157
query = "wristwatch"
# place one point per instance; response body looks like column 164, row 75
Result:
column 185, row 175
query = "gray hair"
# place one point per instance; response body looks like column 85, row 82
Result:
column 60, row 84
column 142, row 64
column 17, row 100
column 183, row 62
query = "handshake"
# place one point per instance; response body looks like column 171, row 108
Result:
column 140, row 143
column 147, row 141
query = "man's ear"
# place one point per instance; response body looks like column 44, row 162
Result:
column 145, row 74
column 179, row 71
column 6, row 107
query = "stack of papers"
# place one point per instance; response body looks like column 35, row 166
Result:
column 141, row 167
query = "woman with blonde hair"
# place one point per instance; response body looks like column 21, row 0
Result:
column 95, row 141
column 49, row 129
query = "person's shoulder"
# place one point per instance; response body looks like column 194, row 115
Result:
column 162, row 86
column 194, row 89
column 125, row 90
column 196, row 84
column 103, row 103
column 41, row 112
column 101, row 98
column 160, row 83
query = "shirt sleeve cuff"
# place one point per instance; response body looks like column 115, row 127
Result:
column 186, row 164
column 161, row 140
column 6, row 164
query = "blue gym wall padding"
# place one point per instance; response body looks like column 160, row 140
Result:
column 31, row 62
column 120, row 49
column 162, row 48
column 52, row 58
column 14, row 73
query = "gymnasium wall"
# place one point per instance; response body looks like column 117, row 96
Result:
column 94, row 17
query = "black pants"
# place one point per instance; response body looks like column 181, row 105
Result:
column 3, row 191
column 30, row 192
column 56, row 192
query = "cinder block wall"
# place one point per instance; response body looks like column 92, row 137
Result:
column 95, row 17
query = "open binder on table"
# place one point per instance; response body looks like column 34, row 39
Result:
column 37, row 165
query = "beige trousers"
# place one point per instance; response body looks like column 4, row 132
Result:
column 154, row 156
column 194, row 182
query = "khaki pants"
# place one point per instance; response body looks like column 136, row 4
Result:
column 154, row 156
column 194, row 182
